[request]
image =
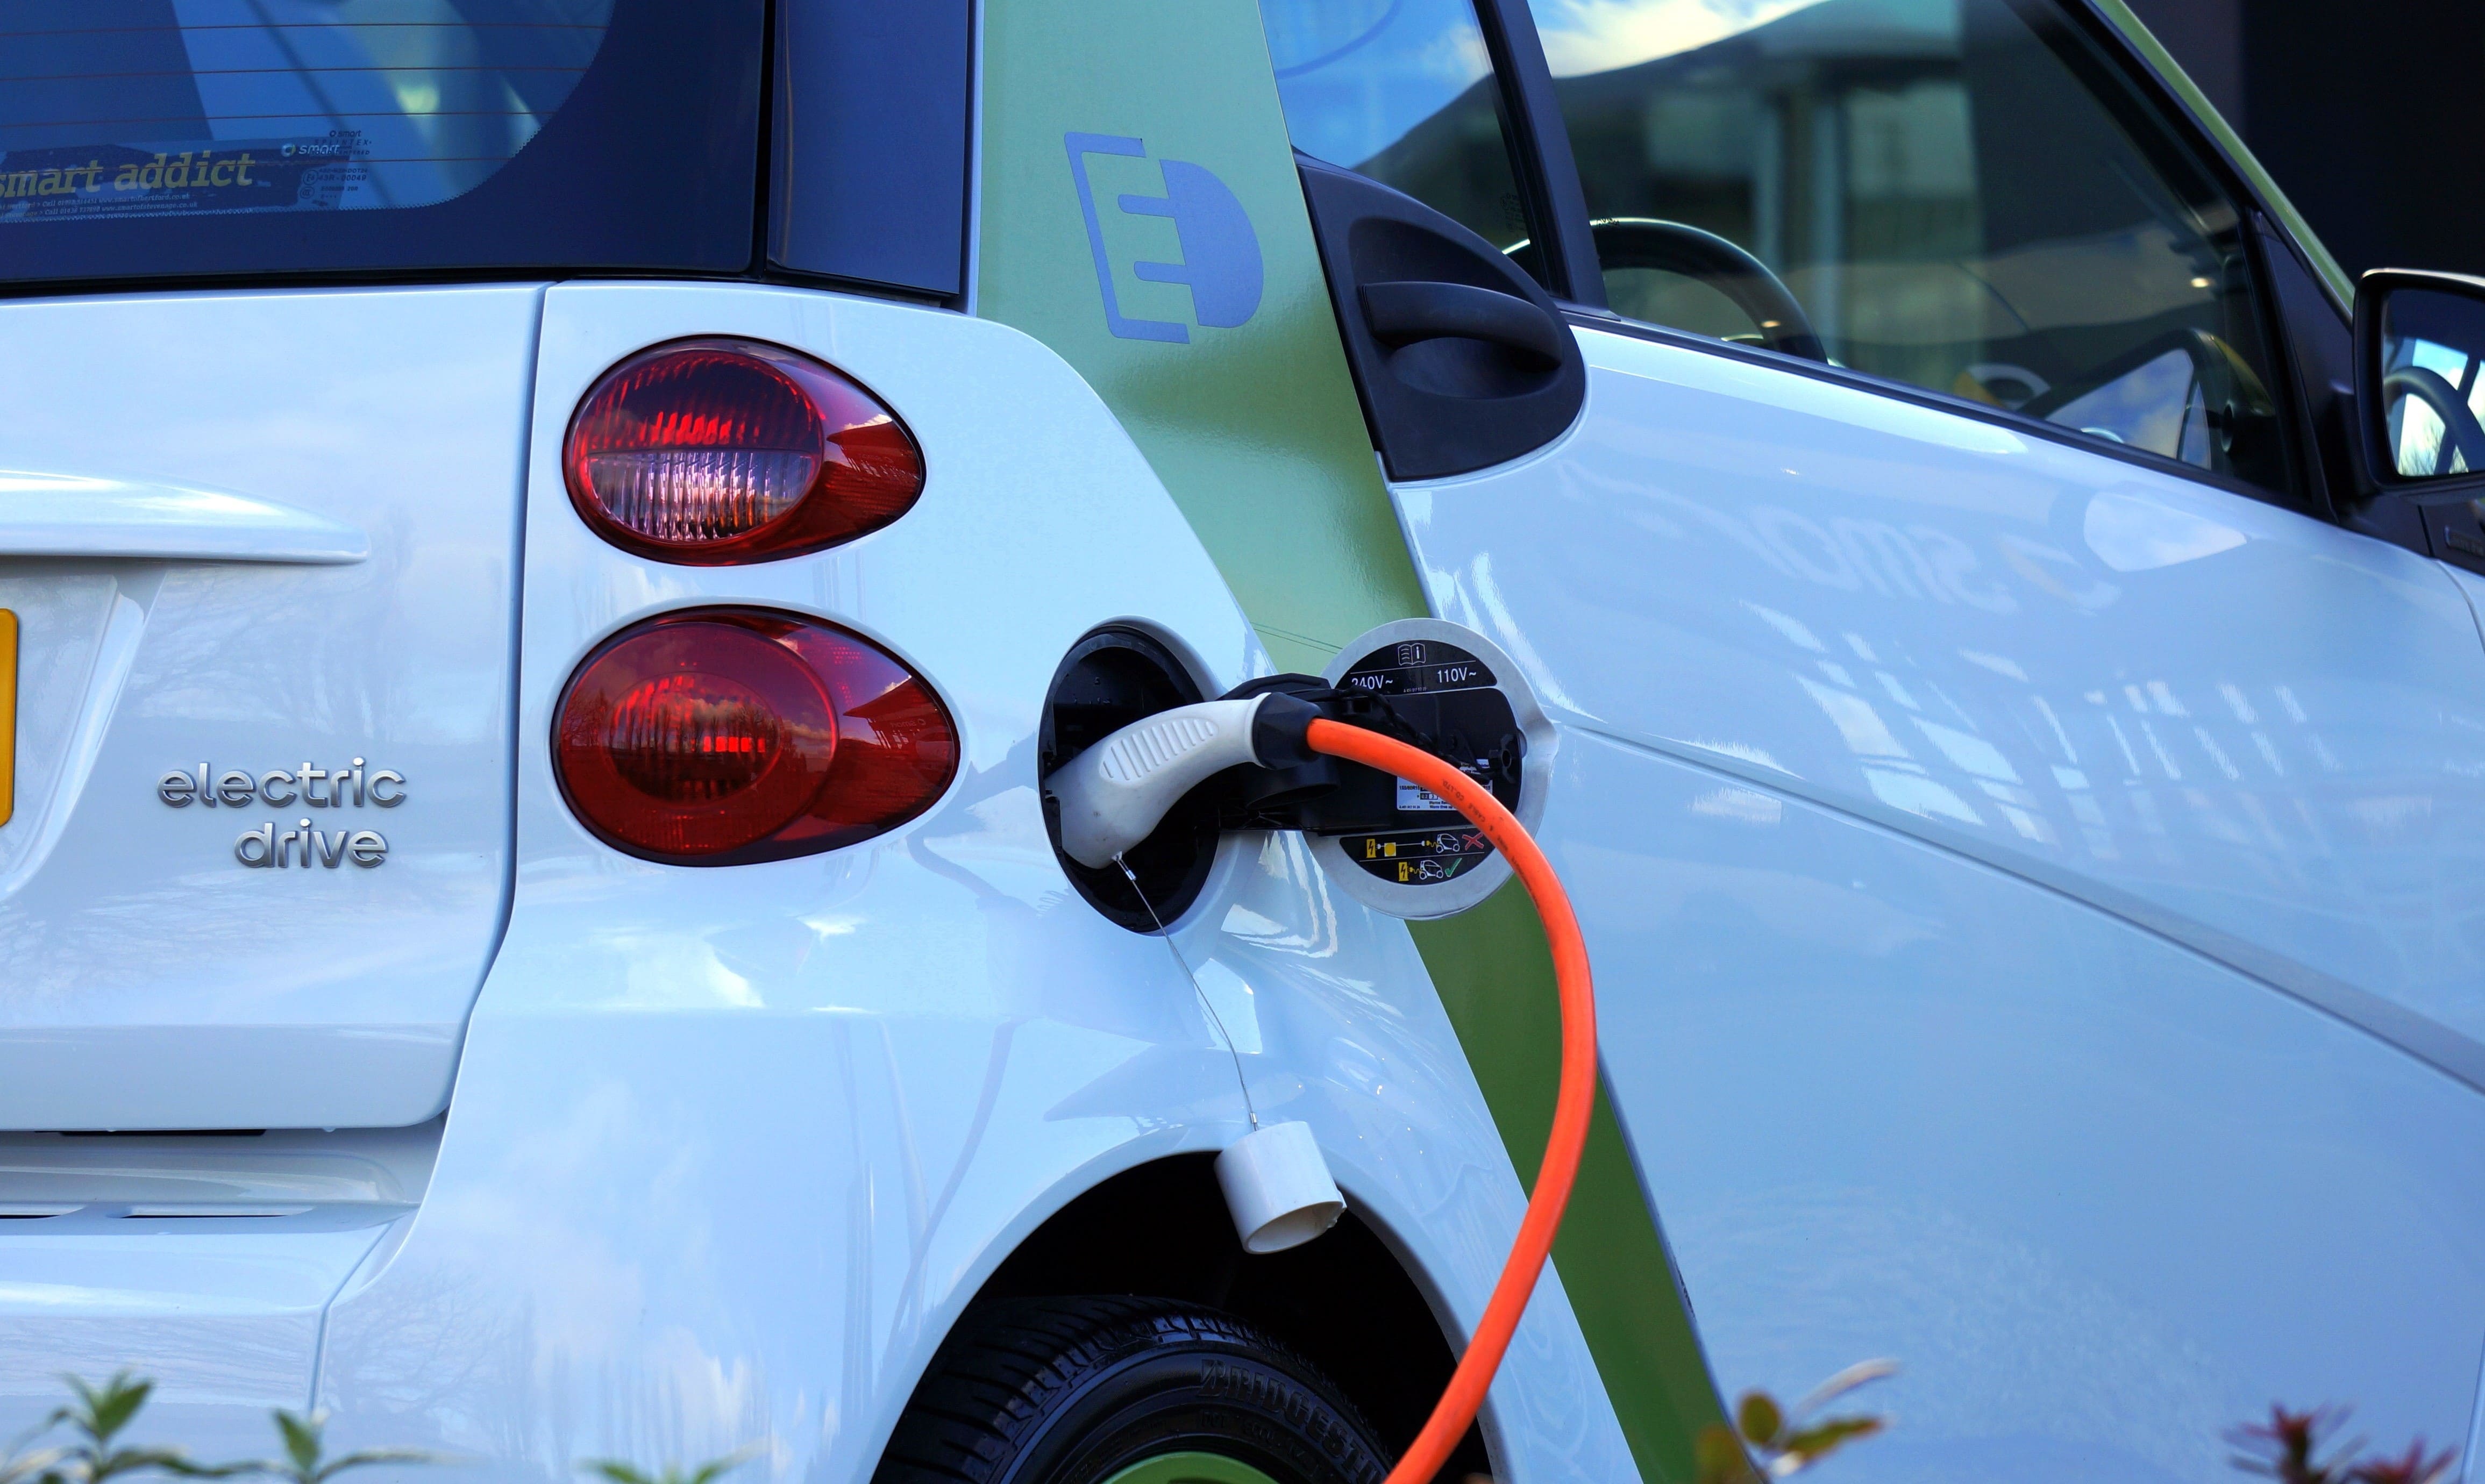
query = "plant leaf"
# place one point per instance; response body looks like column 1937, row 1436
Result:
column 301, row 1436
column 717, row 1468
column 1720, row 1456
column 24, row 1466
column 2414, row 1467
column 1758, row 1418
column 1861, row 1373
column 112, row 1408
column 1821, row 1439
column 365, row 1457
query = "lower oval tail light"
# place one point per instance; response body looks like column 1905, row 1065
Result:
column 714, row 451
column 720, row 737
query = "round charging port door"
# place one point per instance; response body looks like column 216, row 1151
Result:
column 1114, row 676
column 1463, row 695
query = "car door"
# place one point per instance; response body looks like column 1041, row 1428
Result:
column 2023, row 832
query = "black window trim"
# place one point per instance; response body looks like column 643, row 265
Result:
column 1549, row 176
column 2230, row 176
column 1540, row 147
column 427, row 278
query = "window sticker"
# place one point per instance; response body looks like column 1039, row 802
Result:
column 264, row 175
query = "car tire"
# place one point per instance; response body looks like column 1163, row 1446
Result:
column 1082, row 1391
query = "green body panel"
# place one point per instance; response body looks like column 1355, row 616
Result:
column 1257, row 433
column 1255, row 429
column 2342, row 287
column 1496, row 977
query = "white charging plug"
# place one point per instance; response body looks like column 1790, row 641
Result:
column 1114, row 795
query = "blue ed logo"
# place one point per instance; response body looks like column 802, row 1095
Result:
column 1220, row 254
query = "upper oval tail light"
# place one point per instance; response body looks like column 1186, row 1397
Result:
column 720, row 737
column 714, row 451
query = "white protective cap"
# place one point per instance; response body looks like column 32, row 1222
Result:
column 1277, row 1187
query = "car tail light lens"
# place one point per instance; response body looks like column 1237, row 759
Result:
column 724, row 736
column 716, row 451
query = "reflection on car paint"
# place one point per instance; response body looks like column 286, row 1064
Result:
column 1949, row 817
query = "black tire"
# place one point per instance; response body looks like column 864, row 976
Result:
column 1074, row 1390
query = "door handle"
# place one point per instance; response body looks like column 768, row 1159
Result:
column 1403, row 312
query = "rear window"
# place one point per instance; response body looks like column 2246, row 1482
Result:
column 162, row 138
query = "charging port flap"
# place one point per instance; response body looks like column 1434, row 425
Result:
column 1394, row 846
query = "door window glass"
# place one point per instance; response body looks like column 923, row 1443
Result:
column 1959, row 194
column 1400, row 91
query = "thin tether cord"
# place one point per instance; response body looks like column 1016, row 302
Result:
column 1204, row 1003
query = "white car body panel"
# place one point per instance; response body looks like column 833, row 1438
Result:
column 210, row 1259
column 150, row 981
column 2034, row 901
column 731, row 1149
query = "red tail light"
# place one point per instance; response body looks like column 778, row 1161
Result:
column 723, row 736
column 715, row 452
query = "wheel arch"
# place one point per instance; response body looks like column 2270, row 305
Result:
column 1353, row 1301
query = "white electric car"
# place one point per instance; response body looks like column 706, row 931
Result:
column 548, row 549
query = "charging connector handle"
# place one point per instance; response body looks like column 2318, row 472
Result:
column 1114, row 795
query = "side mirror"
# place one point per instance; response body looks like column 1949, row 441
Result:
column 2420, row 343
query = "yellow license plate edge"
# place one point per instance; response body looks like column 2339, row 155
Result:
column 7, row 714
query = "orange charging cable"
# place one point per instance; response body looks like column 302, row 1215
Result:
column 1456, row 1409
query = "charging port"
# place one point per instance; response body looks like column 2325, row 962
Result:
column 1113, row 677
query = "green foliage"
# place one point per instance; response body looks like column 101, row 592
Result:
column 1759, row 1416
column 24, row 1468
column 96, row 1418
column 1768, row 1442
column 615, row 1471
column 304, row 1459
column 97, row 1415
column 1776, row 1441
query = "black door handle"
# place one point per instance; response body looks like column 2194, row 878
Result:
column 1415, row 309
column 1462, row 359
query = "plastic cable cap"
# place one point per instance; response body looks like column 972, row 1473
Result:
column 1277, row 1187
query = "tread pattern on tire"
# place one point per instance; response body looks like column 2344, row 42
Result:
column 1007, row 1366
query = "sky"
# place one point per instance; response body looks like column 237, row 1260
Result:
column 1595, row 36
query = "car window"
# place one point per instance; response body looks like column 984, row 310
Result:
column 1400, row 91
column 202, row 106
column 159, row 137
column 1959, row 194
